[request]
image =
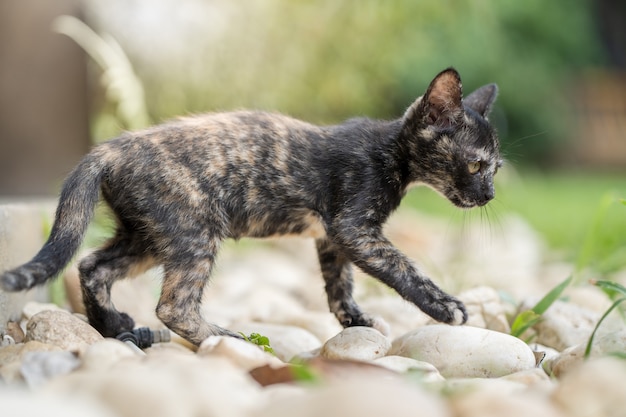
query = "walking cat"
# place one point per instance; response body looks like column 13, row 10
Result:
column 179, row 189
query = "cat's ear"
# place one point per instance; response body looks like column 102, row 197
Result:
column 482, row 99
column 441, row 106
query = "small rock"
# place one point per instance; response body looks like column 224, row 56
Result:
column 166, row 384
column 563, row 325
column 242, row 353
column 39, row 367
column 490, row 401
column 531, row 377
column 589, row 297
column 321, row 324
column 14, row 330
column 286, row 341
column 400, row 315
column 62, row 329
column 105, row 353
column 594, row 389
column 403, row 365
column 485, row 309
column 461, row 386
column 571, row 358
column 33, row 307
column 356, row 343
column 365, row 397
column 463, row 351
column 306, row 356
column 11, row 358
column 23, row 403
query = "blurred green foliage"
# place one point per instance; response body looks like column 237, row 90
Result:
column 328, row 60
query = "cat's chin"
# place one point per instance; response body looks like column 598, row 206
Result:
column 466, row 205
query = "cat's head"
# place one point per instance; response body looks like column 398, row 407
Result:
column 454, row 148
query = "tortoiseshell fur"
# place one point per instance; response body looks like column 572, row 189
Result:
column 179, row 189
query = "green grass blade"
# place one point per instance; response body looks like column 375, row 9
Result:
column 524, row 321
column 528, row 318
column 593, row 334
column 609, row 286
column 551, row 297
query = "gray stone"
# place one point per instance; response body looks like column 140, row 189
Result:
column 62, row 329
column 11, row 358
column 39, row 367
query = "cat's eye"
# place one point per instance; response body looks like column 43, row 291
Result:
column 473, row 167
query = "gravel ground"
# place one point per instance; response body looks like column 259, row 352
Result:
column 53, row 363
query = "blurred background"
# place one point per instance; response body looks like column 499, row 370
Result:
column 560, row 66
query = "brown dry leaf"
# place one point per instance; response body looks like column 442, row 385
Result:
column 320, row 369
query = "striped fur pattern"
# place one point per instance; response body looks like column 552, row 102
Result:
column 179, row 189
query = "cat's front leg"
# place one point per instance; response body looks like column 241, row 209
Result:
column 368, row 249
column 337, row 272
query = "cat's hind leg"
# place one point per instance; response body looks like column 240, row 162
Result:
column 337, row 272
column 187, row 271
column 119, row 258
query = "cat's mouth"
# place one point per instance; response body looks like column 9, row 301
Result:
column 466, row 204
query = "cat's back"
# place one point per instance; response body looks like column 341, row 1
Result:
column 212, row 137
column 244, row 126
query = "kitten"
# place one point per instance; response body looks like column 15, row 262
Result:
column 179, row 189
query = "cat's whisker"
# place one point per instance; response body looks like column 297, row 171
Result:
column 507, row 151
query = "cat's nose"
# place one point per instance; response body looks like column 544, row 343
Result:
column 490, row 194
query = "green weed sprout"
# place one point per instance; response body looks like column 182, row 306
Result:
column 259, row 340
column 528, row 318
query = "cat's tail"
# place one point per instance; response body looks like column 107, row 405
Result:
column 79, row 196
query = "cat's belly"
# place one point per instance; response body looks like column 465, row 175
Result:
column 308, row 224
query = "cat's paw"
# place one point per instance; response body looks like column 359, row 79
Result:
column 459, row 315
column 364, row 319
column 381, row 325
column 450, row 311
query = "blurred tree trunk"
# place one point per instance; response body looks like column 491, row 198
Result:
column 43, row 98
column 611, row 18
